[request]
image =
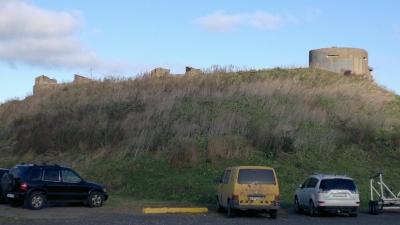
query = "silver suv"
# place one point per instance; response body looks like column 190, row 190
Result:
column 332, row 193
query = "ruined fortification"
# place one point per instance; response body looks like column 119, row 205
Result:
column 349, row 61
column 44, row 84
column 160, row 72
column 190, row 71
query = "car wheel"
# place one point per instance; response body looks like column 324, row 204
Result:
column 36, row 201
column 15, row 203
column 7, row 182
column 273, row 214
column 231, row 212
column 312, row 210
column 297, row 208
column 95, row 199
column 218, row 206
column 353, row 214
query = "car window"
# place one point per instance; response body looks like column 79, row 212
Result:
column 306, row 182
column 226, row 176
column 18, row 172
column 337, row 183
column 35, row 174
column 70, row 176
column 312, row 183
column 256, row 176
column 51, row 175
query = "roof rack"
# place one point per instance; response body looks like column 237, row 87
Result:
column 322, row 175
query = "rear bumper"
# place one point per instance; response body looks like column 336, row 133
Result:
column 338, row 208
column 16, row 195
column 273, row 206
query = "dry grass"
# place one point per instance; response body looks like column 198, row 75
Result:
column 235, row 110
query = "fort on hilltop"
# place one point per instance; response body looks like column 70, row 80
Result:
column 44, row 83
column 349, row 61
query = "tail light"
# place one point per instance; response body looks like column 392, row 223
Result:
column 321, row 202
column 235, row 197
column 354, row 191
column 357, row 203
column 323, row 191
column 24, row 186
column 277, row 197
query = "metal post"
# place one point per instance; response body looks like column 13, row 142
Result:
column 380, row 177
column 371, row 181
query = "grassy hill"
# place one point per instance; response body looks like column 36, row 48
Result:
column 167, row 138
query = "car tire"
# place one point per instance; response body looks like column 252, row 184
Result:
column 218, row 207
column 95, row 199
column 273, row 214
column 36, row 201
column 353, row 214
column 231, row 211
column 312, row 209
column 7, row 183
column 15, row 203
column 297, row 207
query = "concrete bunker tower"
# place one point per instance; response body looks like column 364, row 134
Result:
column 341, row 60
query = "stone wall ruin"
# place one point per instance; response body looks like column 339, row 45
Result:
column 160, row 72
column 44, row 84
column 190, row 71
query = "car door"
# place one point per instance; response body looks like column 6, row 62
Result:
column 302, row 193
column 312, row 191
column 223, row 188
column 77, row 188
column 56, row 190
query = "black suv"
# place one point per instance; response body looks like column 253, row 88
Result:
column 34, row 185
column 3, row 198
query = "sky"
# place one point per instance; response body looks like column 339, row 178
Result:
column 124, row 38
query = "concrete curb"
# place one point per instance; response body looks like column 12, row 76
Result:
column 174, row 210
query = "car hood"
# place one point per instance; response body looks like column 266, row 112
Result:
column 88, row 183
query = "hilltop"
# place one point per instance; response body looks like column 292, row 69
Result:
column 165, row 138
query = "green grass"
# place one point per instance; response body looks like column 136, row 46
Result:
column 165, row 139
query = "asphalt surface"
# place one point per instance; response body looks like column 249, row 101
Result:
column 54, row 214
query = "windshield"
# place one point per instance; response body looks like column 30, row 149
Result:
column 256, row 176
column 337, row 183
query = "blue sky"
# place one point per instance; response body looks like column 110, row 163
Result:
column 123, row 38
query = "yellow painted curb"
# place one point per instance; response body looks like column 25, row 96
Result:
column 174, row 210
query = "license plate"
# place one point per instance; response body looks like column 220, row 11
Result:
column 256, row 198
column 339, row 195
column 10, row 195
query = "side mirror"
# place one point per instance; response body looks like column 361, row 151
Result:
column 301, row 186
column 217, row 179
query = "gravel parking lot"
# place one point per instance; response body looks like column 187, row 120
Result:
column 66, row 214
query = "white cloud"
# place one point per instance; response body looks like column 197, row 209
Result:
column 43, row 38
column 263, row 20
column 220, row 22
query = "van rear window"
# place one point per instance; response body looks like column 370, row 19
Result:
column 256, row 176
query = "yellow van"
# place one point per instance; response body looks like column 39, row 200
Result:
column 248, row 188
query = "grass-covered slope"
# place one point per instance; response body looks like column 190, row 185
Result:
column 166, row 138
